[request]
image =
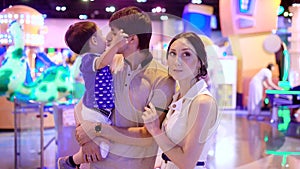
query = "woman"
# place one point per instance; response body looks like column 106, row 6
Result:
column 193, row 114
column 263, row 79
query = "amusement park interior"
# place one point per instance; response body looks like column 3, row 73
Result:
column 40, row 85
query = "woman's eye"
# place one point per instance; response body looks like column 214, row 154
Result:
column 172, row 54
column 186, row 54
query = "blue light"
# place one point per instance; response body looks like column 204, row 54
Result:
column 280, row 10
column 224, row 53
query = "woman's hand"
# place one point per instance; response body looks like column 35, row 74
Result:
column 151, row 120
column 85, row 132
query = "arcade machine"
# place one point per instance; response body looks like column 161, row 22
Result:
column 20, row 28
column 244, row 23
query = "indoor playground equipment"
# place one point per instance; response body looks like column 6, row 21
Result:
column 51, row 85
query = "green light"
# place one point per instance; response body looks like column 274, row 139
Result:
column 267, row 101
column 51, row 50
column 286, row 67
column 284, row 84
column 280, row 10
column 282, row 92
column 285, row 114
column 266, row 139
column 281, row 153
column 284, row 155
column 286, row 64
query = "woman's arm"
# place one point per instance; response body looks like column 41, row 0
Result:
column 202, row 116
column 272, row 85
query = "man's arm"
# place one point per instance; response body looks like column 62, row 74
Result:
column 162, row 97
column 139, row 136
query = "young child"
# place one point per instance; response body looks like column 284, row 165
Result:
column 86, row 39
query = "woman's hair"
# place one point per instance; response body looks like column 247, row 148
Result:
column 270, row 65
column 133, row 21
column 78, row 34
column 197, row 43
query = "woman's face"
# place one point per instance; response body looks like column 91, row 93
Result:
column 182, row 60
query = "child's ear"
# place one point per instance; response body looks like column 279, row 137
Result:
column 94, row 40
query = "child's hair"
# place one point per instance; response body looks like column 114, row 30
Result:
column 78, row 34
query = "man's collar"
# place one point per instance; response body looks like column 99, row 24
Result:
column 145, row 62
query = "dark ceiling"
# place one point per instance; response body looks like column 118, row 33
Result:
column 96, row 9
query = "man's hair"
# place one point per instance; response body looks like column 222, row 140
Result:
column 78, row 34
column 270, row 65
column 197, row 43
column 133, row 21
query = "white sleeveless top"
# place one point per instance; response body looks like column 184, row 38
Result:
column 176, row 123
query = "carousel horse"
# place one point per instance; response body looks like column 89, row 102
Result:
column 51, row 85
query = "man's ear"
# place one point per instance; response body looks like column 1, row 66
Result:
column 133, row 39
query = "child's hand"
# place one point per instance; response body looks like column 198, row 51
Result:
column 120, row 39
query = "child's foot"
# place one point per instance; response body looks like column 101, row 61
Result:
column 63, row 163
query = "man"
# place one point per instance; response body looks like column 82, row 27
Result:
column 142, row 80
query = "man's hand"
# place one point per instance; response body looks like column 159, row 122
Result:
column 91, row 152
column 84, row 132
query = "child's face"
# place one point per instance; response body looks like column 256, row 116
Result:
column 100, row 44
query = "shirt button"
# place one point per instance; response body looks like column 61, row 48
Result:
column 174, row 105
column 128, row 74
column 125, row 84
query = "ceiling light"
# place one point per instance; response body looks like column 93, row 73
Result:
column 196, row 1
column 63, row 8
column 158, row 10
column 96, row 12
column 110, row 9
column 83, row 17
column 164, row 17
column 57, row 8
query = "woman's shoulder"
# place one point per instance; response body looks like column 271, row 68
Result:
column 203, row 99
